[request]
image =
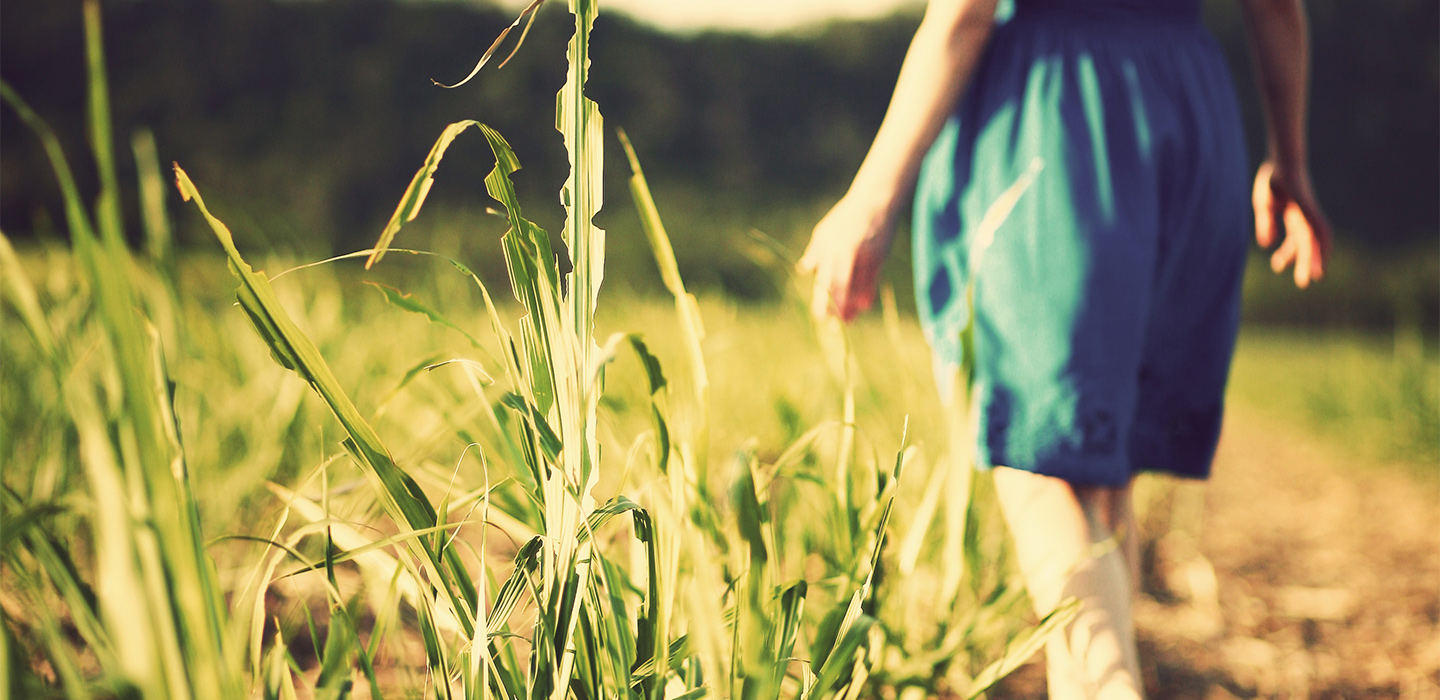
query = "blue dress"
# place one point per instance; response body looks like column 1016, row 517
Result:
column 1104, row 306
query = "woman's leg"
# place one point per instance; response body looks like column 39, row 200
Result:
column 1063, row 539
column 1121, row 521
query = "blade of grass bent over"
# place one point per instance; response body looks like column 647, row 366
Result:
column 398, row 493
column 415, row 194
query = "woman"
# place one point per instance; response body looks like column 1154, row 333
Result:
column 1105, row 315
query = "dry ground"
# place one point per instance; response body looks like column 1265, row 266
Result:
column 1295, row 572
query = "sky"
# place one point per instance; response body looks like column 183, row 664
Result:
column 752, row 15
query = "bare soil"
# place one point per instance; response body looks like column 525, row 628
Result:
column 1295, row 572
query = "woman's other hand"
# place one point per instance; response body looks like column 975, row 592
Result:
column 845, row 254
column 1284, row 201
column 1285, row 206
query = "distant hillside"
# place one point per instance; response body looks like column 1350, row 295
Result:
column 308, row 118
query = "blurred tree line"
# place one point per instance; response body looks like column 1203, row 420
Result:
column 304, row 120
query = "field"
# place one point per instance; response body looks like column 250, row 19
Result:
column 388, row 476
column 1322, row 412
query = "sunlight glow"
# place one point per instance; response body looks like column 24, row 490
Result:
column 764, row 16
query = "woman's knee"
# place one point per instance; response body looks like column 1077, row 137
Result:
column 1108, row 509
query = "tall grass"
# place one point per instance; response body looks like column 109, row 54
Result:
column 153, row 583
column 553, row 559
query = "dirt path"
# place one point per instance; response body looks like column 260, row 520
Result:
column 1295, row 573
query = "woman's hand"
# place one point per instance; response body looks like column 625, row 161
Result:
column 846, row 253
column 1285, row 200
column 850, row 243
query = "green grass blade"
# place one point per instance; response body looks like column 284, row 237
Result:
column 17, row 525
column 544, row 435
column 526, row 560
column 792, row 614
column 9, row 669
column 102, row 140
column 163, row 558
column 279, row 682
column 650, row 221
column 159, row 240
column 436, row 654
column 1024, row 646
column 687, row 310
column 125, row 604
column 15, row 283
column 66, row 665
column 412, row 304
column 653, row 373
column 652, row 625
column 887, row 497
column 55, row 562
column 603, row 514
column 851, row 633
column 81, row 229
column 341, row 643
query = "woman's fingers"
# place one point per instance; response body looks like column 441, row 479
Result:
column 832, row 277
column 1309, row 259
column 1284, row 255
column 810, row 258
column 820, row 303
column 1263, row 197
column 816, row 261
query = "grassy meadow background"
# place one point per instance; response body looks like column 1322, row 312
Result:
column 769, row 469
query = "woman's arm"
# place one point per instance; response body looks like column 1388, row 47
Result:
column 850, row 243
column 1283, row 195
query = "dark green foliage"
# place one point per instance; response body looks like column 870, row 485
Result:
column 313, row 134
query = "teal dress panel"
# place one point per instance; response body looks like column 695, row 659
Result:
column 1106, row 301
